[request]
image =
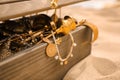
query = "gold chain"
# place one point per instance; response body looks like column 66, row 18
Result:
column 54, row 4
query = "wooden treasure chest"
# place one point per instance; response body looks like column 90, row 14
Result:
column 36, row 46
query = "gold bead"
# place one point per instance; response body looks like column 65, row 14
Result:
column 65, row 62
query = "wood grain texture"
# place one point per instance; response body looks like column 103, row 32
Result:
column 19, row 9
column 33, row 64
column 2, row 2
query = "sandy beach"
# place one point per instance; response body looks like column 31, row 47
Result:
column 104, row 62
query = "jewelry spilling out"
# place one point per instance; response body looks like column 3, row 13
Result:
column 20, row 34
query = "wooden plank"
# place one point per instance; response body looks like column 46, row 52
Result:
column 33, row 64
column 14, row 10
column 10, row 1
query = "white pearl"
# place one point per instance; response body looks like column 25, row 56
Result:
column 56, row 57
column 74, row 44
column 61, row 63
column 71, row 55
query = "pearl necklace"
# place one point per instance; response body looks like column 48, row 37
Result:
column 58, row 56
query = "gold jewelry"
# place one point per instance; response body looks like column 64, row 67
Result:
column 93, row 27
column 54, row 3
column 58, row 56
column 50, row 49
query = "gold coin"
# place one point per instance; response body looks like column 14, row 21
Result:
column 51, row 50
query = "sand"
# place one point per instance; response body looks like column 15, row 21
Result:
column 104, row 62
column 94, row 68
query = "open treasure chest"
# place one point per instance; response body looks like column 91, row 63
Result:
column 37, row 46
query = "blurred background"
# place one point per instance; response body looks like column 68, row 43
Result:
column 105, row 14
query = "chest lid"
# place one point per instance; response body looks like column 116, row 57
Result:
column 17, row 8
